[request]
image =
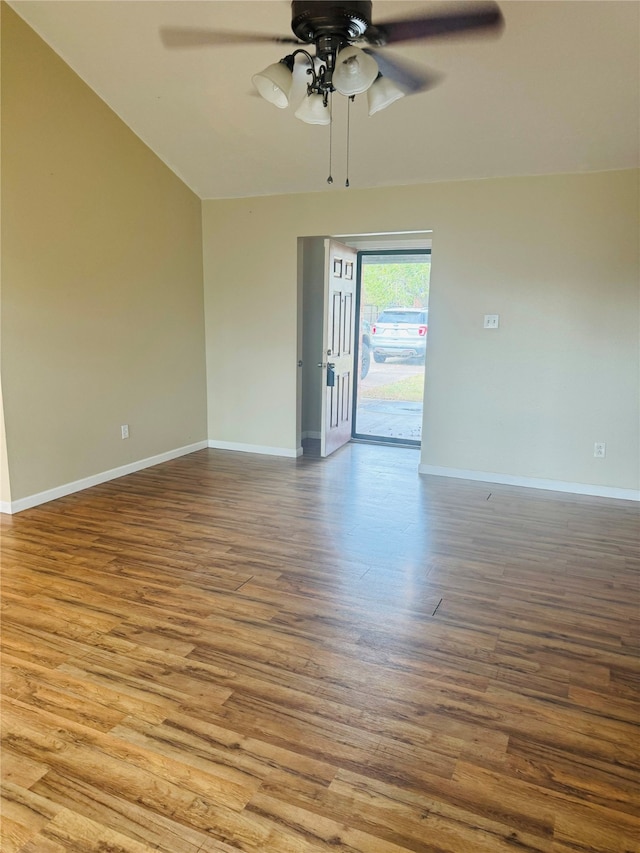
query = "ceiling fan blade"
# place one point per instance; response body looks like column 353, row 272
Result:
column 196, row 37
column 470, row 18
column 409, row 76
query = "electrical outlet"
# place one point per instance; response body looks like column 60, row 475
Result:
column 599, row 450
column 491, row 321
column 124, row 430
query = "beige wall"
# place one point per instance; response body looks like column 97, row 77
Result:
column 102, row 314
column 556, row 257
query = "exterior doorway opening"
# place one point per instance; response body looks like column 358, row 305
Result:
column 329, row 367
column 392, row 316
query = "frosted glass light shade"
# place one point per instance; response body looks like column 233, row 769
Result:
column 382, row 93
column 274, row 83
column 313, row 111
column 355, row 71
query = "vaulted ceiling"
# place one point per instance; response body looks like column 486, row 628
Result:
column 559, row 91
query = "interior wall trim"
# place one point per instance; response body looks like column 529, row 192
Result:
column 533, row 483
column 255, row 448
column 96, row 479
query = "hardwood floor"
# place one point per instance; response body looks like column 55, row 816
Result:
column 231, row 652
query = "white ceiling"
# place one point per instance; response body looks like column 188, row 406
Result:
column 558, row 92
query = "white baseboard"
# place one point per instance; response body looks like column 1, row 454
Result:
column 96, row 479
column 30, row 501
column 254, row 448
column 533, row 483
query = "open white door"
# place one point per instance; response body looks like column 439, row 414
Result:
column 338, row 345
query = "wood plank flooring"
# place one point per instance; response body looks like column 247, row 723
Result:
column 232, row 652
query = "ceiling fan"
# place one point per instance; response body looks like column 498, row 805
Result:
column 348, row 56
column 351, row 55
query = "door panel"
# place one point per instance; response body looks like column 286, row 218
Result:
column 347, row 324
column 338, row 337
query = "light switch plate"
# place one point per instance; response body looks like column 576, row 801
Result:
column 491, row 321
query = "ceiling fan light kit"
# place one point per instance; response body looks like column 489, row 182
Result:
column 274, row 83
column 350, row 73
column 355, row 71
column 382, row 93
column 312, row 110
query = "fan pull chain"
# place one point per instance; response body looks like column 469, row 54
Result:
column 330, row 178
column 349, row 101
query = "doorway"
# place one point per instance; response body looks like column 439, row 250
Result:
column 392, row 310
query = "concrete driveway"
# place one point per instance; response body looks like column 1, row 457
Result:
column 396, row 419
column 391, row 371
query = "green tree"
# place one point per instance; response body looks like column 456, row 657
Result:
column 396, row 285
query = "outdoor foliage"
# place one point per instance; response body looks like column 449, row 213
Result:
column 409, row 389
column 396, row 285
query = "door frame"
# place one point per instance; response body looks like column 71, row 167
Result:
column 310, row 313
column 356, row 436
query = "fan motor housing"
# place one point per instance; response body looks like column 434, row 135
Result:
column 347, row 20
